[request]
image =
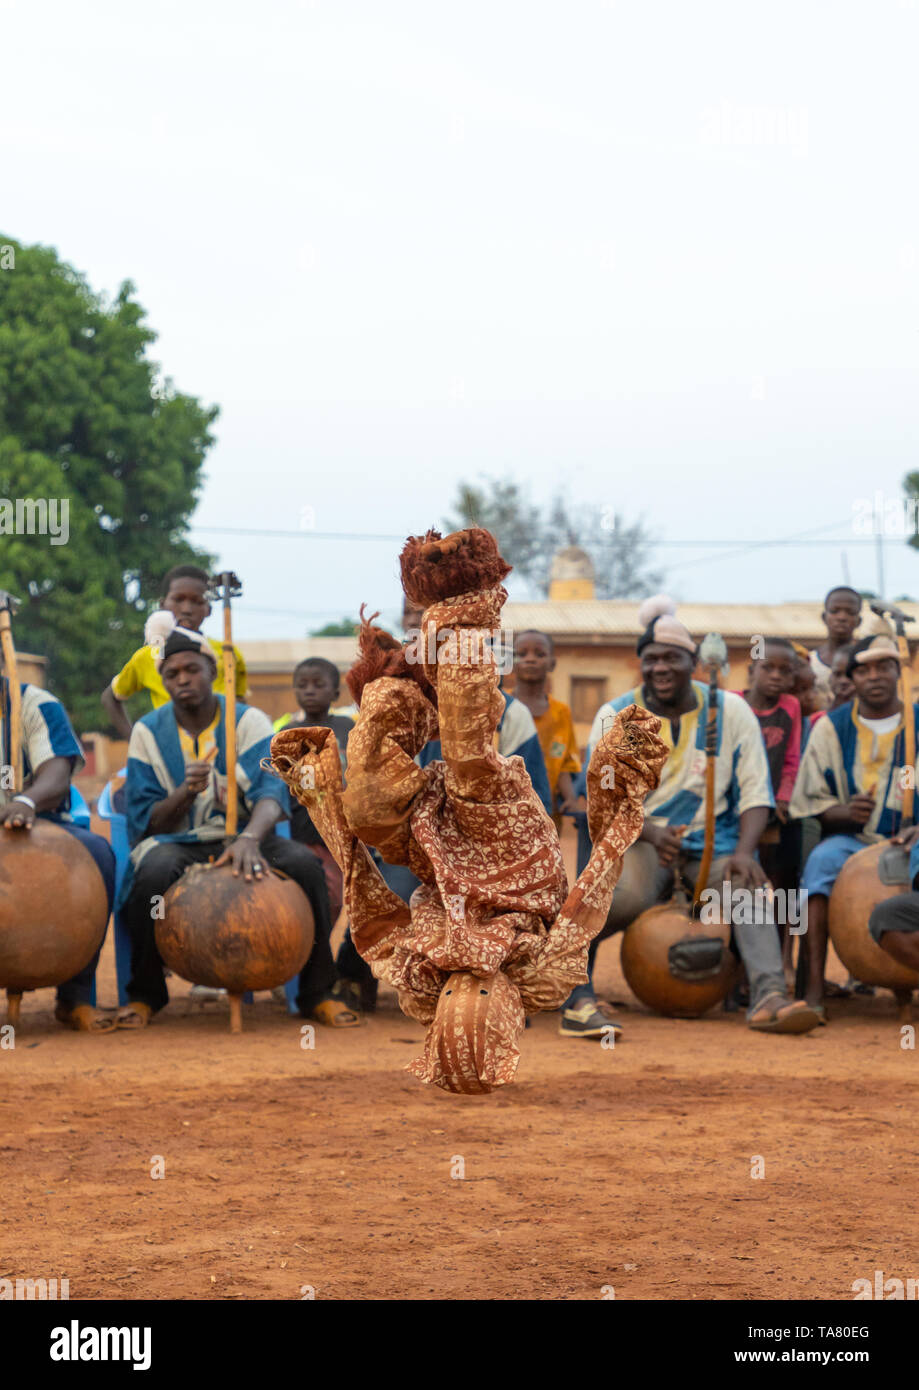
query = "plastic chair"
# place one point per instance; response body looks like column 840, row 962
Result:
column 79, row 811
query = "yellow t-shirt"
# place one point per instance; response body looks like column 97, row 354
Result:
column 140, row 673
column 558, row 741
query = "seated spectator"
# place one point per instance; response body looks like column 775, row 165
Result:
column 176, row 811
column 51, row 754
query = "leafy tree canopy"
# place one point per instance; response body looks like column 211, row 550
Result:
column 530, row 535
column 88, row 425
column 346, row 628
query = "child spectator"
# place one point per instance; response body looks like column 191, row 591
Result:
column 317, row 685
column 184, row 595
column 842, row 611
column 841, row 683
column 771, row 677
column 534, row 659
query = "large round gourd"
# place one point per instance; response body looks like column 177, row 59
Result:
column 858, row 890
column 646, row 965
column 53, row 907
column 221, row 931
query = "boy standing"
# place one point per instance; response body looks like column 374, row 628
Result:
column 185, row 597
column 534, row 659
column 842, row 612
column 316, row 686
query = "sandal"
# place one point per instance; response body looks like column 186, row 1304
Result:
column 359, row 995
column 334, row 1014
column 134, row 1015
column 784, row 1016
column 84, row 1018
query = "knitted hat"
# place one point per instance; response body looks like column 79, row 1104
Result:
column 658, row 617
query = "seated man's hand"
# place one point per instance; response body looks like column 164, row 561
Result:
column 667, row 840
column 17, row 815
column 245, row 857
column 907, row 837
column 197, row 776
column 744, row 871
column 859, row 809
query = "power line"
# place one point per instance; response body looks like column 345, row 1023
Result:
column 795, row 540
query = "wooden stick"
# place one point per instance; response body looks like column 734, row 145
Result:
column 229, row 690
column 909, row 727
column 13, row 1001
column 236, row 1012
column 12, row 678
column 711, row 744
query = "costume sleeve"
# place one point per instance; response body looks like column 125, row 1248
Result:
column 143, row 788
column 128, row 682
column 815, row 785
column 752, row 770
column 792, row 751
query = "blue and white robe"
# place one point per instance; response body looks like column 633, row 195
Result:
column 741, row 770
column 156, row 768
column 46, row 733
column 844, row 756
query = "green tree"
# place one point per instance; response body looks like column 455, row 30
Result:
column 346, row 628
column 87, row 422
column 529, row 536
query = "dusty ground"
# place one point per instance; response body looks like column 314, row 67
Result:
column 330, row 1168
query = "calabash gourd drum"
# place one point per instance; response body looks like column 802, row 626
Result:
column 53, row 908
column 221, row 931
column 871, row 876
column 677, row 966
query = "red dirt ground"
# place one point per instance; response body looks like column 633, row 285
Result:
column 288, row 1167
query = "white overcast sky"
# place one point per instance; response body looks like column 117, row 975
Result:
column 403, row 243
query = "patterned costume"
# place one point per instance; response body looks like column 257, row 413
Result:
column 492, row 933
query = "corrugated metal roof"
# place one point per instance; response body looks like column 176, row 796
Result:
column 270, row 656
column 592, row 618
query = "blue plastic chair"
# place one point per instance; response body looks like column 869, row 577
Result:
column 79, row 811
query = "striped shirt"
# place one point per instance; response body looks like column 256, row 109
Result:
column 846, row 755
column 156, row 768
column 741, row 769
column 46, row 733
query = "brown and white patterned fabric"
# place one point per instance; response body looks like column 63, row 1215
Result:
column 492, row 933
